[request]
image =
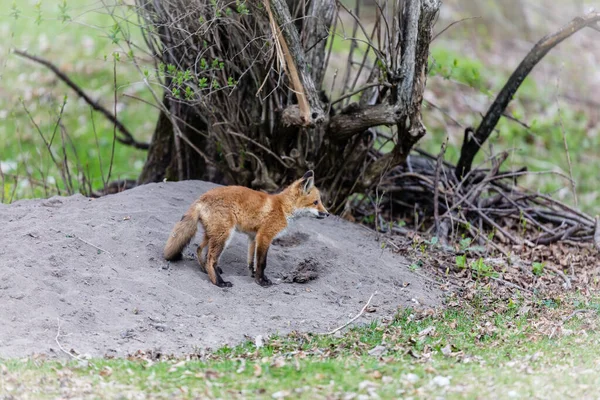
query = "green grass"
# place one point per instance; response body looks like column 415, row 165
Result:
column 480, row 353
column 82, row 48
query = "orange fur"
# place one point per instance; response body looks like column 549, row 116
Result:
column 261, row 216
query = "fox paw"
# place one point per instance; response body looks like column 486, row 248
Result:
column 264, row 281
column 224, row 284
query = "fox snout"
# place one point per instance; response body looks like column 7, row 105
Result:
column 322, row 215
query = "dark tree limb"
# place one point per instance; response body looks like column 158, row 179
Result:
column 541, row 48
column 127, row 138
column 355, row 120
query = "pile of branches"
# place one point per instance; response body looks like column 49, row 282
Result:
column 426, row 192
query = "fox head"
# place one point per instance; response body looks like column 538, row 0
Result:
column 307, row 199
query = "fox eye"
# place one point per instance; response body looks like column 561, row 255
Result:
column 316, row 202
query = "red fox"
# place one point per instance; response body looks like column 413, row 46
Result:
column 261, row 216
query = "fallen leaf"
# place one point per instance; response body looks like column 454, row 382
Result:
column 446, row 350
column 281, row 394
column 278, row 362
column 441, row 381
column 366, row 385
column 377, row 350
column 427, row 331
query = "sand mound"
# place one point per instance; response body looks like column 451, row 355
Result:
column 95, row 265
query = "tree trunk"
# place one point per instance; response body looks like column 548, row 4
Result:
column 245, row 97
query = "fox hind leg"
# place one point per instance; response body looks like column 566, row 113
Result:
column 215, row 248
column 202, row 258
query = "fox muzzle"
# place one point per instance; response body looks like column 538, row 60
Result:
column 322, row 215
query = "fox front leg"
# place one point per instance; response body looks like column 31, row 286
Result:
column 262, row 248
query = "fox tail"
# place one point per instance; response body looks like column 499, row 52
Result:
column 182, row 233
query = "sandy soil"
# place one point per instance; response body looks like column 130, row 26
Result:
column 95, row 267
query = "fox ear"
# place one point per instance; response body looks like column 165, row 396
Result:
column 308, row 174
column 308, row 181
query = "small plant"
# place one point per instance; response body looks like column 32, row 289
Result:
column 538, row 268
column 14, row 10
column 416, row 265
column 481, row 269
column 461, row 261
column 63, row 11
column 114, row 32
column 464, row 243
column 38, row 11
column 241, row 8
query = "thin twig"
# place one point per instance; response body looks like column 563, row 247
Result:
column 436, row 188
column 562, row 275
column 574, row 313
column 93, row 245
column 60, row 345
column 112, row 153
column 353, row 319
column 597, row 233
column 357, row 91
column 566, row 145
column 451, row 25
column 512, row 285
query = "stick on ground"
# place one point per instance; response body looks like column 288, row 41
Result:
column 353, row 319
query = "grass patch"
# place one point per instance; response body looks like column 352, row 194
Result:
column 76, row 36
column 457, row 353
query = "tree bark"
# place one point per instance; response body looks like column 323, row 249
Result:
column 160, row 162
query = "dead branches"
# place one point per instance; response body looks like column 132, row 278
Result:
column 487, row 205
column 541, row 48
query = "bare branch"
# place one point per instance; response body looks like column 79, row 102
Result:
column 497, row 108
column 128, row 138
column 354, row 120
